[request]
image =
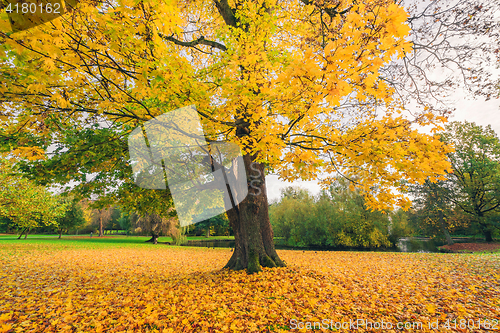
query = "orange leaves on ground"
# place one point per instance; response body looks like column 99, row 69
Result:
column 166, row 289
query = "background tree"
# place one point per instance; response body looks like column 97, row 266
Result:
column 113, row 224
column 87, row 215
column 72, row 218
column 360, row 225
column 433, row 207
column 219, row 223
column 25, row 204
column 400, row 225
column 5, row 225
column 294, row 192
column 125, row 221
column 298, row 85
column 337, row 218
column 474, row 185
column 100, row 217
column 155, row 225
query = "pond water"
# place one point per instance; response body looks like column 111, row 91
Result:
column 422, row 245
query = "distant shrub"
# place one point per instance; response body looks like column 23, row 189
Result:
column 335, row 218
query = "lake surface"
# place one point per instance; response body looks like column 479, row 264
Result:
column 422, row 245
column 417, row 245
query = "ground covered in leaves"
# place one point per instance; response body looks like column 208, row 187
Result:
column 47, row 287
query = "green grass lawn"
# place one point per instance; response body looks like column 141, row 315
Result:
column 85, row 241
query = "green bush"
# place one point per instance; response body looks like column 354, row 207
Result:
column 337, row 218
column 401, row 226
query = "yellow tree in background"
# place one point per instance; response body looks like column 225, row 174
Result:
column 294, row 83
column 26, row 204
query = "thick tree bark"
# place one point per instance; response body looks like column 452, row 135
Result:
column 27, row 232
column 250, row 219
column 254, row 246
column 444, row 228
column 208, row 232
column 60, row 233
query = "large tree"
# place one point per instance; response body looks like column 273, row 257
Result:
column 219, row 223
column 100, row 217
column 433, row 209
column 298, row 85
column 25, row 204
column 156, row 225
column 474, row 184
column 72, row 218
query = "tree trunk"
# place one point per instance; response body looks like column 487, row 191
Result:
column 444, row 228
column 208, row 232
column 254, row 246
column 488, row 235
column 153, row 239
column 60, row 233
column 100, row 222
column 21, row 234
column 27, row 232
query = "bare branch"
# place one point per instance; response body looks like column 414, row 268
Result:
column 200, row 41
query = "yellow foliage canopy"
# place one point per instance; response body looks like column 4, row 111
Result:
column 295, row 82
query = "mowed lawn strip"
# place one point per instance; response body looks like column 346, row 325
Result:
column 94, row 287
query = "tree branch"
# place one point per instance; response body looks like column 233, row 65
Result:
column 226, row 12
column 200, row 41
